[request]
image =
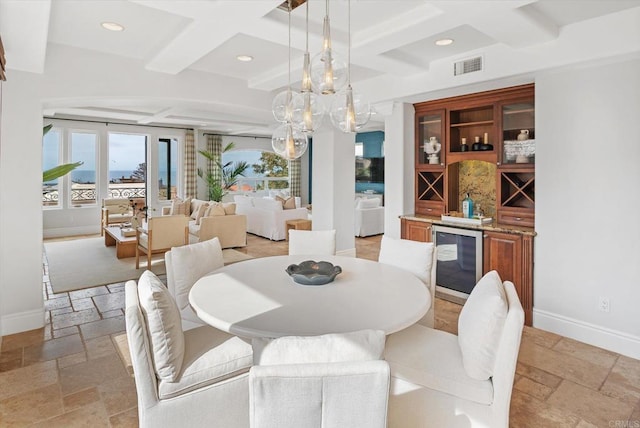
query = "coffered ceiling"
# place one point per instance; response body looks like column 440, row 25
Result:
column 394, row 54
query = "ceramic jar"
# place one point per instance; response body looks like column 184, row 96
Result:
column 523, row 135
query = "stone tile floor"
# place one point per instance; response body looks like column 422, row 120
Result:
column 69, row 374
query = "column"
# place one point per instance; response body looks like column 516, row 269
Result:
column 334, row 182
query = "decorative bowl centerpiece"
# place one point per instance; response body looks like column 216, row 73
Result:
column 310, row 272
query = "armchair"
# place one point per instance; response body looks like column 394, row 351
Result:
column 419, row 258
column 114, row 211
column 318, row 242
column 443, row 380
column 369, row 217
column 161, row 234
column 333, row 381
column 197, row 378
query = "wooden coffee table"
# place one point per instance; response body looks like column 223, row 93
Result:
column 125, row 245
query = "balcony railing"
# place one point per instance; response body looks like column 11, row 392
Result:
column 84, row 194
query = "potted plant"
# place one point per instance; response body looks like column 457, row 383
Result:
column 218, row 186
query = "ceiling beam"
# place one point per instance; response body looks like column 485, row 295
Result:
column 213, row 24
column 25, row 28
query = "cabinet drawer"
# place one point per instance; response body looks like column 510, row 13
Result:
column 515, row 218
column 433, row 209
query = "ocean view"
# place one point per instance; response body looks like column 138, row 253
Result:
column 89, row 176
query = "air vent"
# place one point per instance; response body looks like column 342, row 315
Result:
column 467, row 66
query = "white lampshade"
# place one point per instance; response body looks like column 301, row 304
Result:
column 289, row 142
column 349, row 111
column 282, row 105
column 308, row 112
column 327, row 79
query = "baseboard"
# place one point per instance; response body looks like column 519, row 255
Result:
column 22, row 321
column 351, row 252
column 613, row 340
column 60, row 232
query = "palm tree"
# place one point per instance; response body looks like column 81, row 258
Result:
column 229, row 173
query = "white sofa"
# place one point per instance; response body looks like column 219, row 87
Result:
column 266, row 217
column 369, row 217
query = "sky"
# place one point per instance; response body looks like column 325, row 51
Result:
column 125, row 151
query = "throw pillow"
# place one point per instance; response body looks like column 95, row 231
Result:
column 361, row 345
column 214, row 209
column 229, row 208
column 192, row 262
column 202, row 208
column 287, row 203
column 179, row 207
column 480, row 326
column 195, row 205
column 164, row 326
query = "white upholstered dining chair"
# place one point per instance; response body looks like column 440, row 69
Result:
column 329, row 381
column 320, row 242
column 161, row 234
column 197, row 378
column 443, row 380
column 185, row 265
column 418, row 258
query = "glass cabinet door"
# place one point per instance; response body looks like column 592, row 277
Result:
column 430, row 145
column 518, row 133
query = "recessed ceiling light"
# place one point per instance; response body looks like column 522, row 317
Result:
column 244, row 58
column 112, row 26
column 444, row 42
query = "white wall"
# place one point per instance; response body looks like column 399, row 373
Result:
column 587, row 205
column 20, row 204
column 399, row 167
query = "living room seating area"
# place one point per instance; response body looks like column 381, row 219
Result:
column 208, row 219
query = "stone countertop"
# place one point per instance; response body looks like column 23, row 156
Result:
column 494, row 227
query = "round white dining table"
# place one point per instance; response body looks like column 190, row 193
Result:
column 257, row 298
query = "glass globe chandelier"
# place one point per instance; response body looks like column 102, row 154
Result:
column 349, row 111
column 308, row 110
column 328, row 71
column 282, row 105
column 288, row 140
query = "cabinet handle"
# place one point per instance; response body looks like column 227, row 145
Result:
column 498, row 163
column 429, row 209
column 518, row 218
column 485, row 236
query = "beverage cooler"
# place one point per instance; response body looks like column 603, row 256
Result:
column 459, row 264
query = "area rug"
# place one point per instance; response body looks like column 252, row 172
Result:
column 84, row 263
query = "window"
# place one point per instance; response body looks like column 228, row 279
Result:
column 127, row 165
column 83, row 178
column 51, row 157
column 359, row 149
column 266, row 170
column 167, row 169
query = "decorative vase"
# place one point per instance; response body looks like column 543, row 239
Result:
column 523, row 135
